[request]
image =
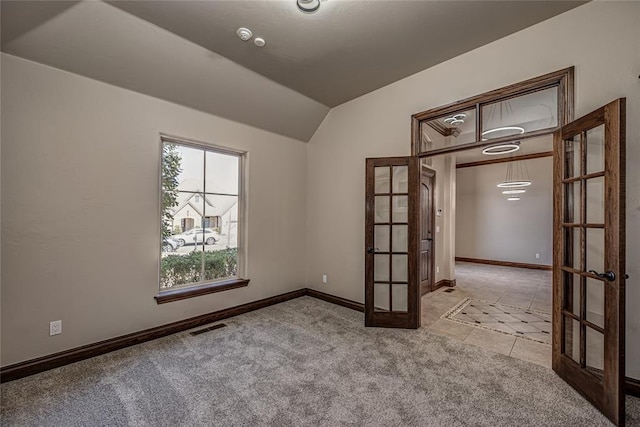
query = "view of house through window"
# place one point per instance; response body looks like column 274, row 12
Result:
column 200, row 195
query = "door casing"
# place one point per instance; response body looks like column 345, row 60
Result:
column 427, row 227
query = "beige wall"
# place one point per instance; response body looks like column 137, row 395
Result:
column 601, row 39
column 80, row 215
column 490, row 227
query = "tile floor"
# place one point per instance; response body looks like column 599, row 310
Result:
column 507, row 319
column 524, row 288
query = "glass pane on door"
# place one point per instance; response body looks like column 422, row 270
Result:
column 400, row 208
column 382, row 180
column 594, row 351
column 572, row 293
column 400, row 238
column 381, row 268
column 399, row 294
column 595, row 249
column 400, row 268
column 595, row 200
column 595, row 301
column 572, row 157
column 572, row 338
column 381, row 297
column 381, row 238
column 382, row 209
column 595, row 150
column 400, row 179
column 572, row 247
column 572, row 197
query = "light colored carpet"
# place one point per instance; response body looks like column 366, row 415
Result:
column 301, row 363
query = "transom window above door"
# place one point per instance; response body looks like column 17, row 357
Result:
column 500, row 121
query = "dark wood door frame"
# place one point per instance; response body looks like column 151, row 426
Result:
column 563, row 79
column 427, row 228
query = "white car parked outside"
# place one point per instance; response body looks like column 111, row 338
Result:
column 197, row 235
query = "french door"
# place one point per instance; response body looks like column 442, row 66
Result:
column 589, row 259
column 392, row 291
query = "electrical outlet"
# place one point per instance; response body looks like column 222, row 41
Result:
column 537, row 256
column 324, row 278
column 437, row 269
column 55, row 327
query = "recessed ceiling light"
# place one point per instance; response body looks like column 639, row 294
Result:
column 308, row 6
column 511, row 199
column 503, row 131
column 514, row 191
column 245, row 34
column 259, row 41
column 494, row 150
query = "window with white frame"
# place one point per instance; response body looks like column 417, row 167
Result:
column 201, row 214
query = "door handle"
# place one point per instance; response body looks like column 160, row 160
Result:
column 372, row 250
column 609, row 275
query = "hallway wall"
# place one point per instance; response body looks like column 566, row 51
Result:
column 488, row 226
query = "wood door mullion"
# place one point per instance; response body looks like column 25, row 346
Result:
column 614, row 247
column 369, row 239
column 390, row 237
column 560, row 248
column 583, row 249
column 413, row 242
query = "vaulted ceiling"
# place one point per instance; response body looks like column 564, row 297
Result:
column 187, row 52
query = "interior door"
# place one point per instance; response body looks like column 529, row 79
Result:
column 427, row 178
column 589, row 262
column 392, row 293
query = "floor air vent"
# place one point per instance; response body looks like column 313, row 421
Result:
column 210, row 328
column 449, row 290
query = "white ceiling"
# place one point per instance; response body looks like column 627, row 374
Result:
column 347, row 48
column 102, row 42
column 187, row 51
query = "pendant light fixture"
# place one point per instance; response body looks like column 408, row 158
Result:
column 456, row 119
column 502, row 131
column 497, row 149
column 501, row 116
column 308, row 6
column 517, row 176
